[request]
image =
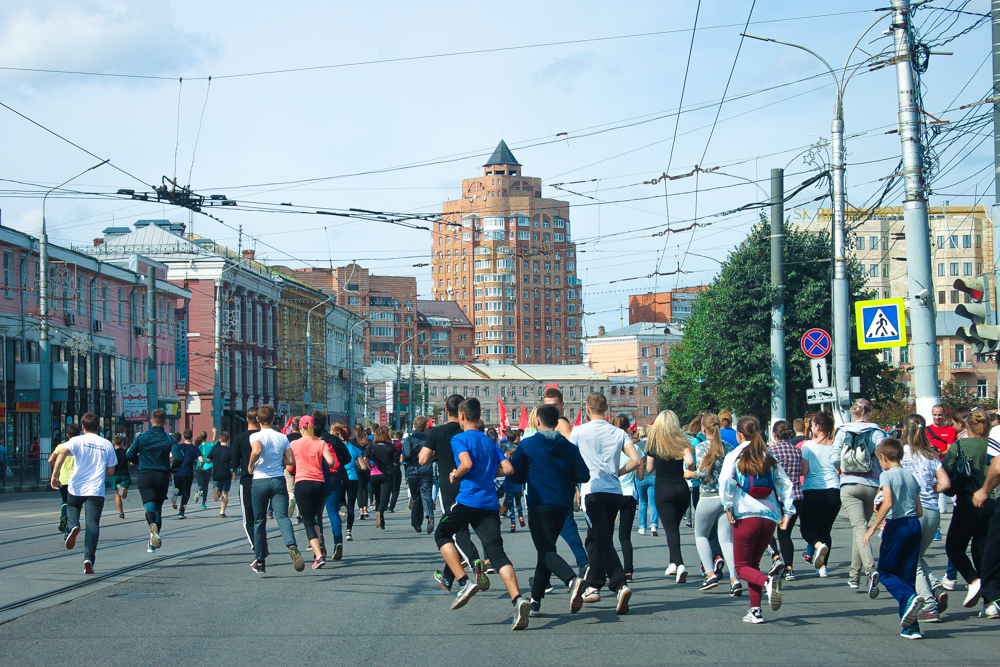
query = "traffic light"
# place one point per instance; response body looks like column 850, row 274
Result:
column 983, row 337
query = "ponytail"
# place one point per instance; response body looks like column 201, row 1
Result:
column 755, row 458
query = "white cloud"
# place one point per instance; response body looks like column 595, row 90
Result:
column 562, row 71
column 107, row 37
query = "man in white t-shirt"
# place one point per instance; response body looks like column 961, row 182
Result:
column 601, row 446
column 95, row 459
column 270, row 453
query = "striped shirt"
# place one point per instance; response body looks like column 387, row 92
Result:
column 790, row 458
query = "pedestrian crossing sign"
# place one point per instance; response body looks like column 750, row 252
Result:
column 881, row 323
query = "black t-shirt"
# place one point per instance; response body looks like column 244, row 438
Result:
column 221, row 458
column 121, row 468
column 293, row 436
column 439, row 442
column 341, row 452
column 382, row 455
column 240, row 456
column 797, row 439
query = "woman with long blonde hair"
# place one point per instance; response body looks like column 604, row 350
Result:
column 709, row 456
column 669, row 454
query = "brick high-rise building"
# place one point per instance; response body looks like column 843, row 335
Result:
column 504, row 254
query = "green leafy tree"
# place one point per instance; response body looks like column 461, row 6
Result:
column 724, row 359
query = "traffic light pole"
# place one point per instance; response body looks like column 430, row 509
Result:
column 918, row 247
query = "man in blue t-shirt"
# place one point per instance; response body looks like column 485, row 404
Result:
column 479, row 462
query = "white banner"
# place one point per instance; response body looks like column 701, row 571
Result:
column 135, row 404
column 388, row 397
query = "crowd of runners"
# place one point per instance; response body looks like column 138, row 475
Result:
column 742, row 491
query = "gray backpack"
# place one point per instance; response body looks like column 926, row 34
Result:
column 859, row 449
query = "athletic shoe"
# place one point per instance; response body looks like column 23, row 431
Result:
column 343, row 512
column 912, row 632
column 180, row 515
column 297, row 561
column 576, row 595
column 257, row 566
column 482, row 581
column 222, row 515
column 718, row 566
column 71, row 537
column 531, row 582
column 710, row 582
column 88, row 567
column 62, row 525
column 941, row 595
column 490, row 569
column 418, row 529
column 520, row 520
column 788, row 575
column 444, row 583
column 216, row 495
column 513, row 528
column 318, row 562
column 121, row 515
column 522, row 610
column 536, row 609
column 822, row 572
column 971, row 598
column 149, row 548
column 687, row 523
column 931, row 616
column 807, row 558
column 937, row 535
column 670, row 571
column 735, row 590
column 173, row 501
column 591, row 595
column 270, row 515
column 754, row 616
column 853, row 583
column 948, row 584
column 682, row 574
column 624, row 594
column 197, row 495
column 119, row 489
column 642, row 531
column 873, row 587
column 652, row 531
column 430, row 525
column 777, row 565
column 154, row 536
column 348, row 537
column 773, row 588
column 913, row 609
column 338, row 551
column 204, row 506
column 991, row 610
column 819, row 557
column 465, row 594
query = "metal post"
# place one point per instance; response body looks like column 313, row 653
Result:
column 778, row 396
column 841, row 289
column 307, row 394
column 996, row 161
column 918, row 248
column 350, row 380
column 151, row 385
column 217, row 392
column 395, row 388
column 412, row 409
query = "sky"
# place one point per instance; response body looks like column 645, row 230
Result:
column 392, row 104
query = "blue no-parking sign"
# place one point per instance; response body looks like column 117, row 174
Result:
column 881, row 323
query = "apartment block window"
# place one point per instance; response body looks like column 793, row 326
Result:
column 982, row 390
column 967, row 241
column 873, row 270
column 105, row 303
column 940, row 242
column 873, row 243
column 937, row 354
column 645, row 370
column 645, row 352
column 885, row 270
column 979, row 268
column 8, row 273
column 953, row 241
column 645, row 411
column 885, row 243
column 941, row 299
column 81, row 298
column 941, row 272
column 904, row 355
column 953, row 268
column 966, row 268
column 979, row 240
column 954, row 296
column 959, row 352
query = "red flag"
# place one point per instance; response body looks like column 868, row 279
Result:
column 522, row 423
column 288, row 426
column 633, row 426
column 504, row 423
column 579, row 419
column 430, row 422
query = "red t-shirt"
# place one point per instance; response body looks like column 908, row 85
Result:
column 941, row 436
column 308, row 459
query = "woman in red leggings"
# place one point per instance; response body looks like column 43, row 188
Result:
column 754, row 490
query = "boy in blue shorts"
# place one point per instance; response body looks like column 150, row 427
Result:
column 479, row 462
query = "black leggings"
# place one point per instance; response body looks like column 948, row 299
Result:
column 672, row 501
column 311, row 499
column 183, row 487
column 626, row 517
column 382, row 491
column 819, row 509
column 153, row 491
column 783, row 542
column 364, row 476
column 969, row 524
column 348, row 497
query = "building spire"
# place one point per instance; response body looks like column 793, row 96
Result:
column 502, row 156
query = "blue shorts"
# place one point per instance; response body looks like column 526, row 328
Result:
column 223, row 485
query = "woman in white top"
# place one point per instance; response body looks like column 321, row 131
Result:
column 923, row 462
column 820, row 490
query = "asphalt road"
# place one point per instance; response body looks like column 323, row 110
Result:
column 381, row 606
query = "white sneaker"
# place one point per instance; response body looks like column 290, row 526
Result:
column 822, row 572
column 522, row 611
column 670, row 571
column 773, row 589
column 753, row 616
column 819, row 556
column 948, row 584
column 990, row 611
column 682, row 574
column 642, row 531
column 652, row 531
column 972, row 597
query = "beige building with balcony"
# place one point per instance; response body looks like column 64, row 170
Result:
column 961, row 247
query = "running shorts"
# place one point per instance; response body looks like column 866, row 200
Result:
column 124, row 480
column 223, row 485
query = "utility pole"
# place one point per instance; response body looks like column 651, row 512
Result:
column 217, row 390
column 918, row 247
column 996, row 162
column 412, row 409
column 778, row 396
column 151, row 384
column 395, row 388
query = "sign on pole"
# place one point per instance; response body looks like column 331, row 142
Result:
column 135, row 405
column 821, row 378
column 389, row 405
column 820, row 395
column 881, row 323
column 816, row 343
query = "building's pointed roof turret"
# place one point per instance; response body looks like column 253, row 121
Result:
column 502, row 155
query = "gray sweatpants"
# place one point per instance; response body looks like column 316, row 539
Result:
column 858, row 501
column 708, row 513
column 929, row 524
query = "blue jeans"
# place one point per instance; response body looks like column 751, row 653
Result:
column 270, row 491
column 897, row 559
column 646, row 498
column 423, row 506
column 333, row 511
column 571, row 535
